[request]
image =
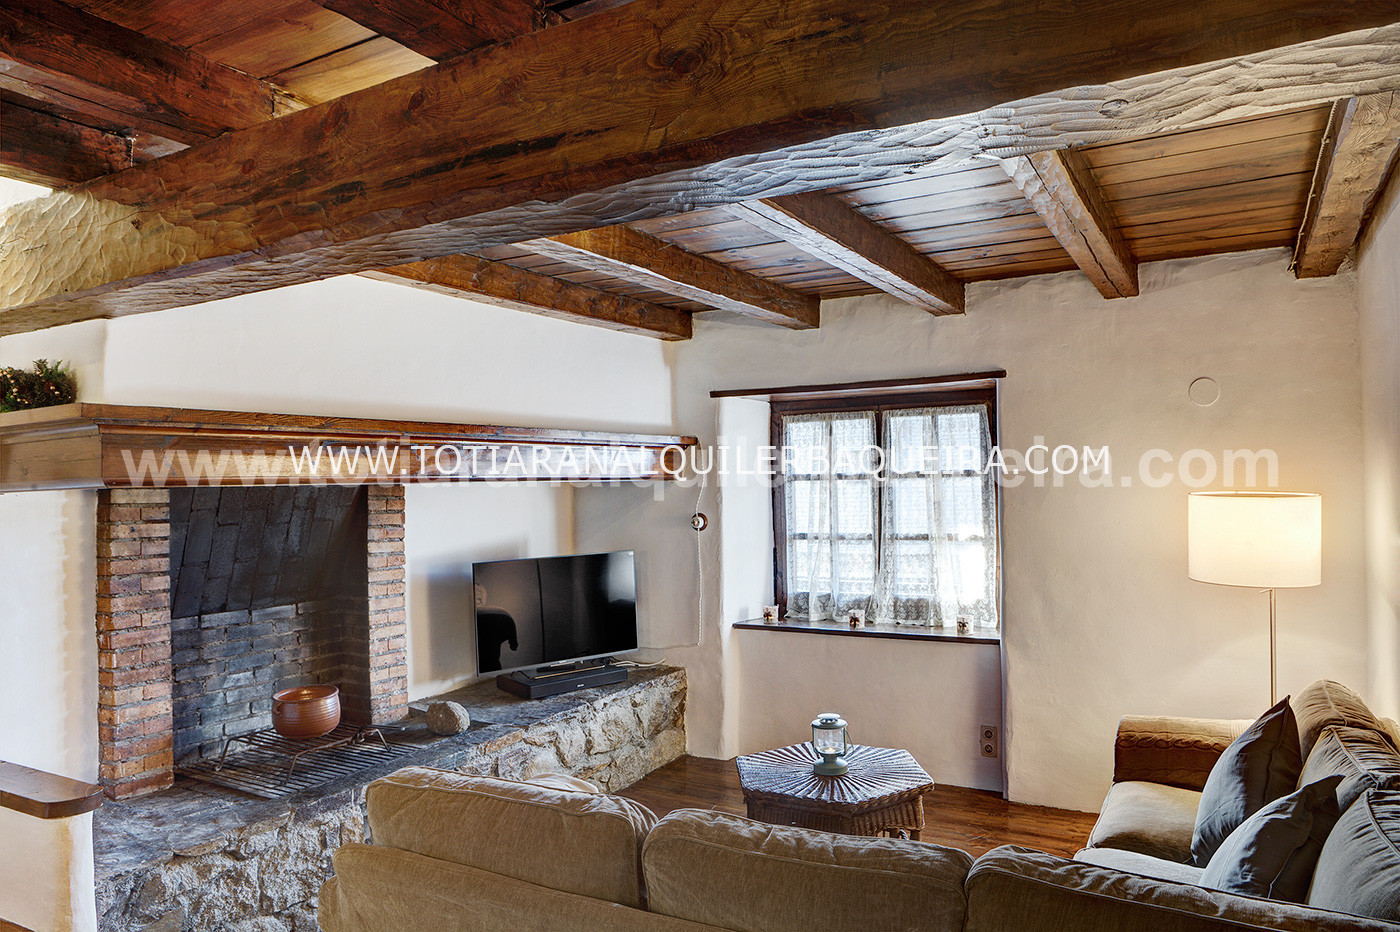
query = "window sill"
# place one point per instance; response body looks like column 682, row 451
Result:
column 842, row 629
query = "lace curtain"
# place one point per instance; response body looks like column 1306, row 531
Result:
column 832, row 498
column 915, row 543
column 938, row 545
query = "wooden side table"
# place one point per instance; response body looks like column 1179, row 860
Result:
column 882, row 793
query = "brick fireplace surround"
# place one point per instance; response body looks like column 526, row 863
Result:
column 136, row 673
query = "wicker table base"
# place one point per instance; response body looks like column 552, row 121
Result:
column 881, row 794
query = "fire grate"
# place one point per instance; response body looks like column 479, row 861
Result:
column 272, row 767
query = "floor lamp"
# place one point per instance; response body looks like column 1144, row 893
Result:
column 1258, row 540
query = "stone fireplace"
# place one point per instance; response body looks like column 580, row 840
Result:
column 213, row 592
column 211, row 598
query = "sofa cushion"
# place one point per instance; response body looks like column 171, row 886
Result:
column 1257, row 768
column 1149, row 818
column 378, row 889
column 1018, row 890
column 1274, row 852
column 1327, row 703
column 1363, row 758
column 1143, row 864
column 576, row 842
column 734, row 873
column 1359, row 869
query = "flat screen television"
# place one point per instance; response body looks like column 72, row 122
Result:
column 554, row 610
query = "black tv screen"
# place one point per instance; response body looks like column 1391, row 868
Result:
column 554, row 609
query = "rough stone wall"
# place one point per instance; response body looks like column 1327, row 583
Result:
column 266, row 877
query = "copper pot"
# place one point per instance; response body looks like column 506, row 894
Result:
column 306, row 711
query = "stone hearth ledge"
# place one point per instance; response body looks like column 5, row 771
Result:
column 199, row 857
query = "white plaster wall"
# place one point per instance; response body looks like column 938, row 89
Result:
column 447, row 529
column 1100, row 619
column 48, row 699
column 356, row 347
column 1378, row 294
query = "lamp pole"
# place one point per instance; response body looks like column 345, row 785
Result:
column 1273, row 646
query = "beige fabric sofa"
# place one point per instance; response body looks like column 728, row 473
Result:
column 454, row 852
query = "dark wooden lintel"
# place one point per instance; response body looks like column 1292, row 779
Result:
column 95, row 446
column 870, row 387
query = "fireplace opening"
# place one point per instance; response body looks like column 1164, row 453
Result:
column 269, row 589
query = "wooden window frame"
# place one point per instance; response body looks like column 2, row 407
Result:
column 878, row 405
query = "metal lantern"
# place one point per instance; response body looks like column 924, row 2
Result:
column 829, row 739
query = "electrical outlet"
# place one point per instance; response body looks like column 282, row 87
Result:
column 989, row 737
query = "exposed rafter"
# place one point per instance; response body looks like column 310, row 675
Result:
column 643, row 259
column 826, row 228
column 585, row 137
column 1357, row 156
column 505, row 286
column 1061, row 188
column 77, row 65
column 43, row 149
column 442, row 29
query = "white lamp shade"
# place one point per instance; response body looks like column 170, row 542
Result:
column 1264, row 540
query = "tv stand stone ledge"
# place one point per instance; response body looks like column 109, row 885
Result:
column 197, row 857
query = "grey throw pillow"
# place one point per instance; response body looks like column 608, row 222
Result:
column 1275, row 851
column 1364, row 759
column 1260, row 766
column 1359, row 871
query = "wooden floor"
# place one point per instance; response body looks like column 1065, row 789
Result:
column 973, row 820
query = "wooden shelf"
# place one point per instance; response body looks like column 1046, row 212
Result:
column 842, row 629
column 80, row 445
column 45, row 795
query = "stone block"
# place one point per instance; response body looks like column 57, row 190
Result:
column 615, row 726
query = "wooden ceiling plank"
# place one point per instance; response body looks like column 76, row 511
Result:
column 631, row 255
column 1259, row 218
column 501, row 285
column 1356, row 158
column 442, row 29
column 1062, row 189
column 355, row 68
column 556, row 132
column 299, row 32
column 826, row 228
column 65, row 58
column 1213, row 136
column 1020, row 270
column 44, row 149
column 1276, row 156
column 1225, row 198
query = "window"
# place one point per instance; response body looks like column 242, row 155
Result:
column 886, row 504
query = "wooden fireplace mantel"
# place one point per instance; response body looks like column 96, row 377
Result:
column 79, row 445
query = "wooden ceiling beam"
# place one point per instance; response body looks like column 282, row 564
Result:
column 1061, row 187
column 1358, row 154
column 826, row 228
column 70, row 62
column 643, row 259
column 44, row 149
column 443, row 29
column 502, row 285
column 555, row 132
